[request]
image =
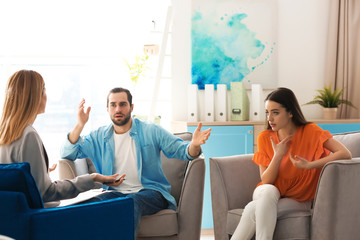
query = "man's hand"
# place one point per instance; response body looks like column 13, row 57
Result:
column 199, row 138
column 113, row 180
column 83, row 117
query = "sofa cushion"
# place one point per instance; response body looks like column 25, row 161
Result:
column 288, row 207
column 233, row 218
column 162, row 223
column 294, row 227
column 16, row 177
column 297, row 212
column 351, row 140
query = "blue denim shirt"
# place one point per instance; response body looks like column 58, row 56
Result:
column 149, row 140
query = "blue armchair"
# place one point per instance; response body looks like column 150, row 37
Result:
column 23, row 216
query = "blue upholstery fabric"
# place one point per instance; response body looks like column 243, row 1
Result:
column 22, row 215
column 13, row 215
column 110, row 219
column 19, row 179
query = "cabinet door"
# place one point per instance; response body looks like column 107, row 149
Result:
column 223, row 141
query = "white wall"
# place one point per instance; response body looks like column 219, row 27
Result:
column 302, row 43
column 302, row 34
column 181, row 51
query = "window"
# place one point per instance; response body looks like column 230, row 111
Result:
column 79, row 48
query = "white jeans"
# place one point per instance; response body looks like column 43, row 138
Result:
column 259, row 215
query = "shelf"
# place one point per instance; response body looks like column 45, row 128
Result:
column 234, row 123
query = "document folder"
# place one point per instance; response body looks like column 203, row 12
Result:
column 239, row 102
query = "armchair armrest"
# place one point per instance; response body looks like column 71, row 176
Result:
column 100, row 220
column 233, row 180
column 191, row 200
column 336, row 206
column 69, row 169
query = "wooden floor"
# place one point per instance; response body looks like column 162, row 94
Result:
column 207, row 234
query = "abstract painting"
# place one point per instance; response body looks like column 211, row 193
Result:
column 233, row 40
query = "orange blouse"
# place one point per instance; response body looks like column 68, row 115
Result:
column 307, row 142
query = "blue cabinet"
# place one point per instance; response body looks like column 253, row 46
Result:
column 334, row 128
column 223, row 141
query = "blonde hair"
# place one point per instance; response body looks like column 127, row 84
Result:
column 22, row 100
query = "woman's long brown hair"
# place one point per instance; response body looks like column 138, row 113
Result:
column 22, row 100
column 287, row 99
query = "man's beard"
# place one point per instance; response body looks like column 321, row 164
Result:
column 121, row 122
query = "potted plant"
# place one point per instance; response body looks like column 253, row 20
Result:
column 329, row 100
column 138, row 68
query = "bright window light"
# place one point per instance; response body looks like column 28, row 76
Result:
column 80, row 48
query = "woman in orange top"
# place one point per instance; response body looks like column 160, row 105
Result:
column 290, row 156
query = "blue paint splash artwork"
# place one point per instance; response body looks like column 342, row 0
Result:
column 221, row 49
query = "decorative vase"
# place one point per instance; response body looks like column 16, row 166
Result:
column 329, row 113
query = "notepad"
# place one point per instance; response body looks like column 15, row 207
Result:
column 83, row 197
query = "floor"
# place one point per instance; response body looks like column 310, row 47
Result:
column 207, row 234
column 207, row 237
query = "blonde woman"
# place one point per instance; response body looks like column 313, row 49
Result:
column 25, row 98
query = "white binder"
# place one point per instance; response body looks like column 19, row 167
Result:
column 209, row 103
column 221, row 103
column 257, row 106
column 192, row 103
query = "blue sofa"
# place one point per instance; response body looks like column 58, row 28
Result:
column 23, row 216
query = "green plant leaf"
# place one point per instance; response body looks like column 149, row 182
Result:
column 329, row 99
column 138, row 68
